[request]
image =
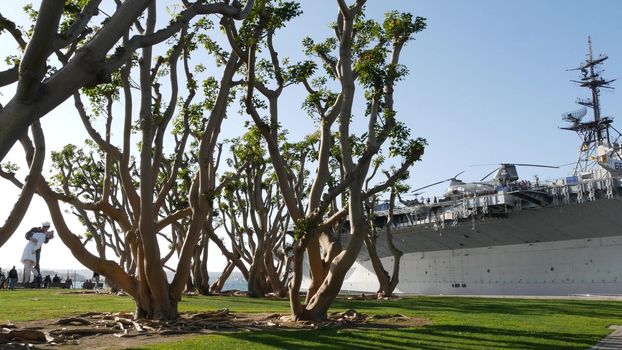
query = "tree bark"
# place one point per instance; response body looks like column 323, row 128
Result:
column 317, row 308
column 381, row 273
column 277, row 286
column 256, row 274
column 28, row 188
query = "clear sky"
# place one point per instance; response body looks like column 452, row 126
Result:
column 488, row 84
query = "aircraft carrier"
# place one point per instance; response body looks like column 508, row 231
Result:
column 508, row 236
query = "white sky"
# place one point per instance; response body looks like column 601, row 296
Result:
column 488, row 84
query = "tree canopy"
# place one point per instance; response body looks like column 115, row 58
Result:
column 169, row 184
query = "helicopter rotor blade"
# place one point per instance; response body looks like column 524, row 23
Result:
column 438, row 182
column 520, row 164
column 430, row 185
column 490, row 173
column 536, row 165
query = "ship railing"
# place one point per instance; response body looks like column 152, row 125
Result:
column 449, row 212
column 580, row 189
column 564, row 192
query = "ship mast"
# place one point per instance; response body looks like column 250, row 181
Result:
column 593, row 133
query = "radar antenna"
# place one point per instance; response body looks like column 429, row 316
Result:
column 575, row 116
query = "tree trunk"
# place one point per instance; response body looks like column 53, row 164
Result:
column 146, row 309
column 276, row 285
column 316, row 267
column 199, row 268
column 395, row 276
column 256, row 276
column 234, row 257
column 220, row 282
column 154, row 303
column 317, row 308
column 204, row 286
column 388, row 284
column 194, row 279
column 397, row 257
column 294, row 284
column 381, row 274
column 190, row 283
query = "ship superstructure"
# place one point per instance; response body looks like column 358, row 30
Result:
column 517, row 237
column 600, row 147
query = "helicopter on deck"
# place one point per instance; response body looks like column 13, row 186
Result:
column 505, row 176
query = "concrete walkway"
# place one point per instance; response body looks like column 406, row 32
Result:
column 611, row 342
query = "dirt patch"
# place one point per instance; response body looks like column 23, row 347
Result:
column 119, row 330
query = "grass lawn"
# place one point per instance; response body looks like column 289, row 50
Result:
column 456, row 323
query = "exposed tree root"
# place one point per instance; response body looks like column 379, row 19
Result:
column 23, row 335
column 76, row 330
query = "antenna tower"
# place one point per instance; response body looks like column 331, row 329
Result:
column 596, row 132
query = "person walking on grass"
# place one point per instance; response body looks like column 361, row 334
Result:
column 96, row 279
column 12, row 278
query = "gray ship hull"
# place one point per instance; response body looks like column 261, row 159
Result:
column 601, row 218
column 559, row 250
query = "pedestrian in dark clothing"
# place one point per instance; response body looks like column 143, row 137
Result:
column 12, row 278
column 96, row 279
column 47, row 281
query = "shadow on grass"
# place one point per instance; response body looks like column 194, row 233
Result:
column 428, row 338
column 417, row 305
